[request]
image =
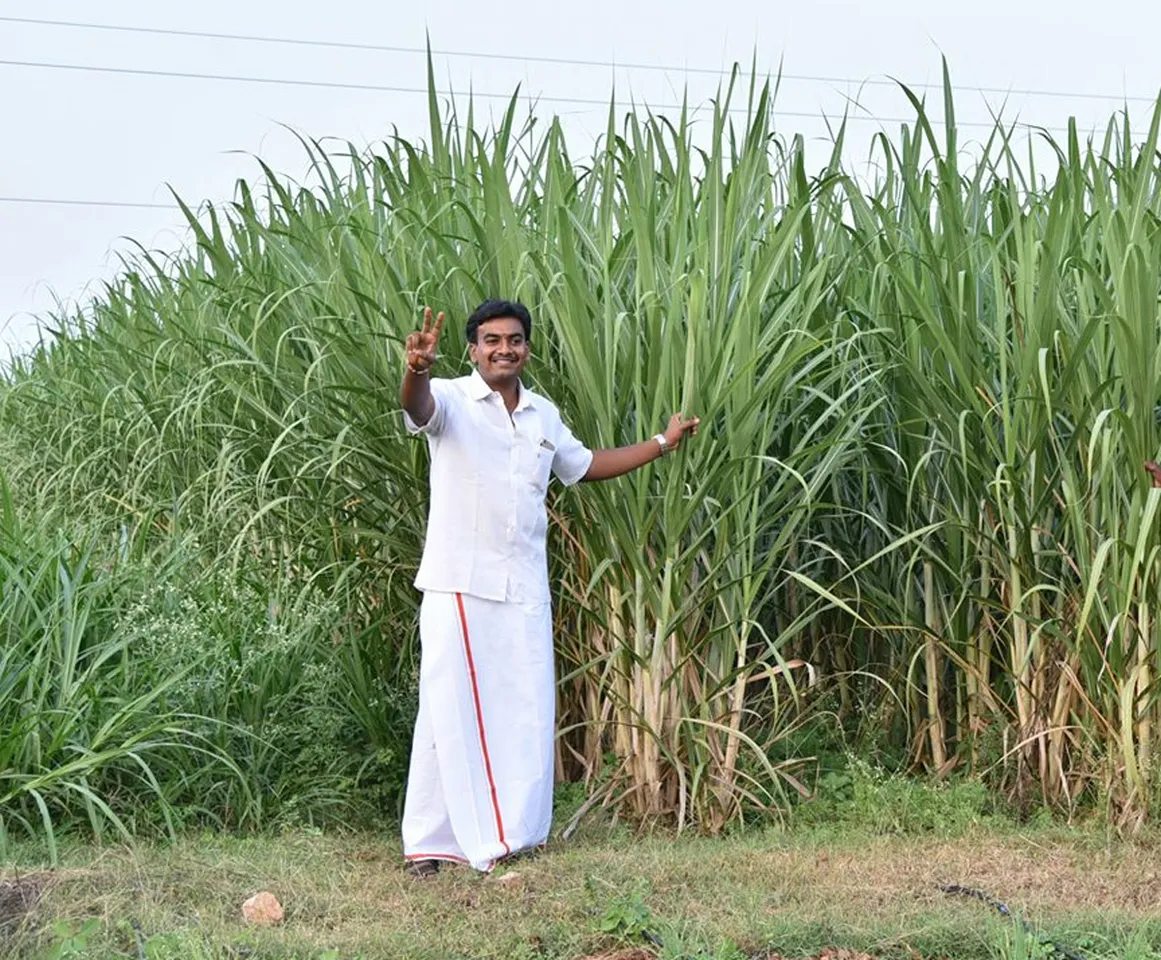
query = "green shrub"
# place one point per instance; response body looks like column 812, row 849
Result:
column 867, row 798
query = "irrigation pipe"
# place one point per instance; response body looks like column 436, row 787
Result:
column 955, row 890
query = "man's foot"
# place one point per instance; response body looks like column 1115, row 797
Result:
column 422, row 869
column 528, row 853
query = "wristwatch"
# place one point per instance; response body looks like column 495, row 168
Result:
column 663, row 443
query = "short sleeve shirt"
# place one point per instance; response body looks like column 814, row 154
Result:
column 487, row 524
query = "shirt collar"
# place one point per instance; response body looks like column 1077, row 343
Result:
column 479, row 390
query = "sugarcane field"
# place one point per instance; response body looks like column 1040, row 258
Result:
column 703, row 546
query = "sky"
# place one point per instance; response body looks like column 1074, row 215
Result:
column 93, row 154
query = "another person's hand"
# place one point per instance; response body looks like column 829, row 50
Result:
column 679, row 428
column 420, row 347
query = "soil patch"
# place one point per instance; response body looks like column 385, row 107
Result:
column 829, row 953
column 18, row 898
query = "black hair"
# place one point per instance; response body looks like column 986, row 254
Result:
column 493, row 309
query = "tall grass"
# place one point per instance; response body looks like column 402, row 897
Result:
column 926, row 406
column 1024, row 389
column 142, row 691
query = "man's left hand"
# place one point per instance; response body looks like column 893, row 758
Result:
column 679, row 427
column 614, row 462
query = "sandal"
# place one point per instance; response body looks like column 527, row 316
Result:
column 524, row 854
column 422, row 869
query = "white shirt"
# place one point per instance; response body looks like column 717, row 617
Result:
column 487, row 524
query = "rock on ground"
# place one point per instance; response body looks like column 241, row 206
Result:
column 263, row 909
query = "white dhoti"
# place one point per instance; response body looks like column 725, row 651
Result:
column 480, row 785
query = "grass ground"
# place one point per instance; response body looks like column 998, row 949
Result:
column 761, row 894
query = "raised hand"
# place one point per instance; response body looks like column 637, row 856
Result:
column 420, row 347
column 679, row 427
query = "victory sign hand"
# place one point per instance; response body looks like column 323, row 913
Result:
column 420, row 347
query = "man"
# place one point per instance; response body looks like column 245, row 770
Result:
column 480, row 785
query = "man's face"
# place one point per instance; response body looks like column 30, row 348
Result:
column 500, row 350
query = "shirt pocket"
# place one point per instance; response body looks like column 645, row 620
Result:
column 540, row 464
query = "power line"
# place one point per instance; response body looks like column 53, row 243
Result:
column 232, row 78
column 62, row 201
column 566, row 61
column 383, row 88
column 342, row 85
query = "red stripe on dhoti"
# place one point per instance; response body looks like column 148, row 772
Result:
column 480, row 722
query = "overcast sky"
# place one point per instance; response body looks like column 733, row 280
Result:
column 123, row 138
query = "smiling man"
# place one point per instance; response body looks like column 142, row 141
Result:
column 480, row 785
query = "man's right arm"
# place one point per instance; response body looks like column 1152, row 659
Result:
column 416, row 397
column 419, row 353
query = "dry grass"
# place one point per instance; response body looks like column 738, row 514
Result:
column 763, row 893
